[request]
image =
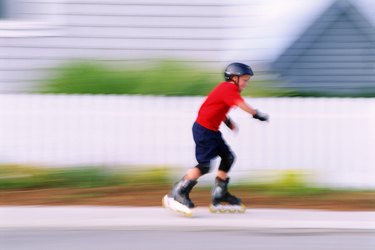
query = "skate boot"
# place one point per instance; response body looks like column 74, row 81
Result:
column 223, row 201
column 179, row 200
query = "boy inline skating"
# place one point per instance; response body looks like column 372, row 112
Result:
column 210, row 144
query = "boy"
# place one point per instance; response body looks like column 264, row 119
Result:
column 210, row 144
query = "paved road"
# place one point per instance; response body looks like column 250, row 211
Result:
column 132, row 228
column 183, row 240
column 86, row 217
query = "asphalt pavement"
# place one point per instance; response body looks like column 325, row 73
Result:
column 121, row 239
column 158, row 218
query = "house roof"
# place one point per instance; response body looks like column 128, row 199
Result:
column 322, row 24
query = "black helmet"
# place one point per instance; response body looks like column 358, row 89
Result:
column 237, row 69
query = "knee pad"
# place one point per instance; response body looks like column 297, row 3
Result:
column 226, row 162
column 204, row 167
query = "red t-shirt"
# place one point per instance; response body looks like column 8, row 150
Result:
column 217, row 104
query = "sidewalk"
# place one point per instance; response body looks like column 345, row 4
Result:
column 157, row 218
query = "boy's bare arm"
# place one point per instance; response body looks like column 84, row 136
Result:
column 255, row 113
column 246, row 107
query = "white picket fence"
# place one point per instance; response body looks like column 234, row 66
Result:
column 331, row 138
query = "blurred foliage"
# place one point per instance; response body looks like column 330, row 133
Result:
column 287, row 183
column 161, row 78
column 166, row 78
column 28, row 177
column 147, row 176
column 266, row 89
column 17, row 177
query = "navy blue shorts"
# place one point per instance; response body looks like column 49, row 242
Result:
column 208, row 144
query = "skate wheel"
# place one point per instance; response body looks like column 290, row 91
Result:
column 164, row 201
column 232, row 209
column 242, row 208
column 212, row 209
column 222, row 209
column 172, row 204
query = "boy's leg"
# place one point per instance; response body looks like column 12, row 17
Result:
column 205, row 151
column 182, row 189
column 194, row 173
column 227, row 160
column 222, row 200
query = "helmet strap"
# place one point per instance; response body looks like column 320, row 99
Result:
column 235, row 82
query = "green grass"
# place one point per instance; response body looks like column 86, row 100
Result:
column 167, row 78
column 16, row 177
column 287, row 183
column 266, row 89
column 28, row 177
column 282, row 190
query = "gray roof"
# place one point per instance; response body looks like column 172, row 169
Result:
column 336, row 53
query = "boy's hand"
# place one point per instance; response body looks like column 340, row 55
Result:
column 230, row 124
column 234, row 127
column 261, row 116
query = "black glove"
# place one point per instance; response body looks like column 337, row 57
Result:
column 228, row 122
column 260, row 116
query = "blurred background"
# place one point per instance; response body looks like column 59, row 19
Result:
column 116, row 85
